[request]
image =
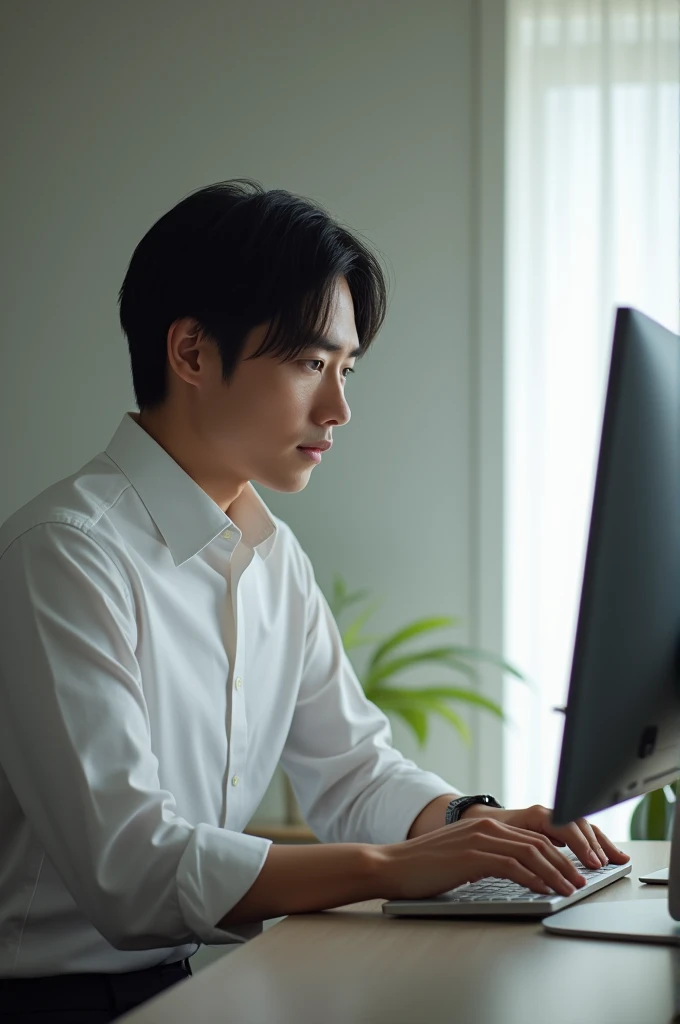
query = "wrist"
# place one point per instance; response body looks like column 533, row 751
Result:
column 480, row 811
column 385, row 870
column 459, row 805
column 432, row 816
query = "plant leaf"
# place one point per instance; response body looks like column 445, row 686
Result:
column 339, row 590
column 387, row 668
column 417, row 720
column 438, row 693
column 404, row 634
column 358, row 595
column 638, row 821
column 450, row 655
column 455, row 720
column 466, row 670
column 414, row 704
column 341, row 599
column 339, row 606
column 398, row 702
column 352, row 631
column 651, row 817
column 339, row 587
column 359, row 641
column 493, row 659
column 445, row 655
column 656, row 816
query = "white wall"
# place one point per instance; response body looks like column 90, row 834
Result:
column 376, row 108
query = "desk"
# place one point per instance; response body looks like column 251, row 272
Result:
column 280, row 833
column 355, row 965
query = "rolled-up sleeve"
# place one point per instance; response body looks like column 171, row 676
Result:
column 75, row 746
column 351, row 783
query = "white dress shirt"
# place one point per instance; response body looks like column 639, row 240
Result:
column 157, row 660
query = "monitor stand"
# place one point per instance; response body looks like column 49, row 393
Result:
column 643, row 920
column 659, row 877
column 628, row 920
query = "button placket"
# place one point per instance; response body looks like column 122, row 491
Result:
column 237, row 743
column 235, row 798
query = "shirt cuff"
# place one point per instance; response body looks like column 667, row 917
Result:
column 402, row 800
column 216, row 870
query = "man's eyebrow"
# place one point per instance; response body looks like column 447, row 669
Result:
column 330, row 346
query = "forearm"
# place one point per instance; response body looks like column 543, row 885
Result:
column 432, row 816
column 301, row 879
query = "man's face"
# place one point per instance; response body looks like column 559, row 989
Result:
column 250, row 428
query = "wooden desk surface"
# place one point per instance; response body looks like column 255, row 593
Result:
column 355, row 965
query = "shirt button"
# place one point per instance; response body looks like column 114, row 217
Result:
column 234, row 780
column 239, row 683
column 227, row 534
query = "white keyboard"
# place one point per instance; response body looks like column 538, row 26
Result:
column 499, row 896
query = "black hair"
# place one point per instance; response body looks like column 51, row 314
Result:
column 233, row 256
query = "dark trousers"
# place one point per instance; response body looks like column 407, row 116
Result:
column 84, row 998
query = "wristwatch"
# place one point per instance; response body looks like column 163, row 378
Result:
column 461, row 803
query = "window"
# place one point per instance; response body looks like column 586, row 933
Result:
column 592, row 223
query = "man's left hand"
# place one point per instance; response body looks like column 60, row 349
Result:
column 588, row 842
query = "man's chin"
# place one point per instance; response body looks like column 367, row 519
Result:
column 284, row 483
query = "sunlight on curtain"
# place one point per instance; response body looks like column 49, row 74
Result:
column 592, row 222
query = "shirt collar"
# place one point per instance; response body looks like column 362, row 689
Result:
column 186, row 516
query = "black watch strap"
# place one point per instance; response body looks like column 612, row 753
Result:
column 461, row 803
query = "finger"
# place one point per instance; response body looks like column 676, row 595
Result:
column 573, row 836
column 498, row 866
column 540, row 858
column 563, row 863
column 578, row 836
column 615, row 855
column 593, row 842
column 581, row 839
column 530, row 857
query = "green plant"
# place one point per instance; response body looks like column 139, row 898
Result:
column 415, row 704
column 653, row 816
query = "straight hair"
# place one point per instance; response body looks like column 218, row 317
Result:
column 233, row 256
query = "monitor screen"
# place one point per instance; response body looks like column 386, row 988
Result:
column 622, row 726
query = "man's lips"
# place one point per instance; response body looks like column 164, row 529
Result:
column 320, row 446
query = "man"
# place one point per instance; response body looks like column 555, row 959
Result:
column 164, row 643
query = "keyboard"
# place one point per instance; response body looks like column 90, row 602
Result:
column 491, row 897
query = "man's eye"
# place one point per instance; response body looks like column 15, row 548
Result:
column 306, row 361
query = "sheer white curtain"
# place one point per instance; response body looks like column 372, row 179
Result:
column 592, row 222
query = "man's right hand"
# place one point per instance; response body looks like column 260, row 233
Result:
column 303, row 879
column 469, row 850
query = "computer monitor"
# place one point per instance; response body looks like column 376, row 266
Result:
column 622, row 726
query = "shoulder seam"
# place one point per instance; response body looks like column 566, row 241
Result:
column 88, row 533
